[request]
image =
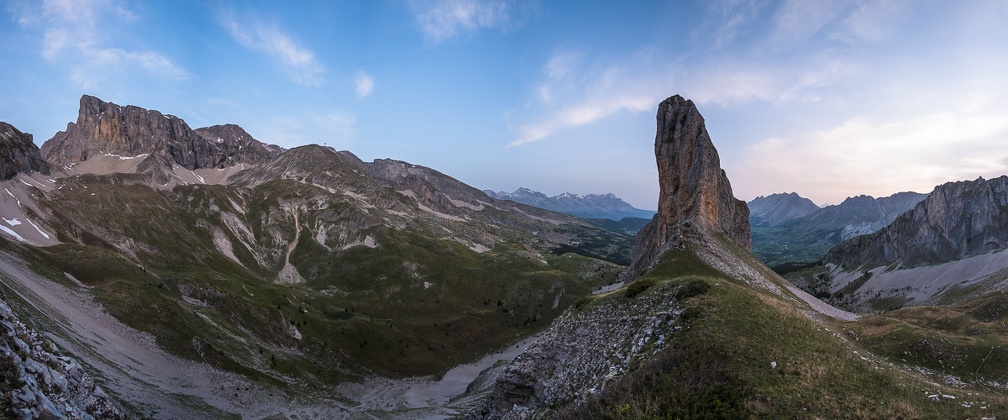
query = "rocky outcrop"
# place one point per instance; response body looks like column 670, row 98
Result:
column 18, row 153
column 107, row 128
column 582, row 352
column 236, row 145
column 694, row 190
column 592, row 206
column 38, row 382
column 775, row 209
column 957, row 220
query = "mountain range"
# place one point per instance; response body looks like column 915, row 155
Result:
column 788, row 228
column 276, row 264
column 591, row 206
column 148, row 269
column 946, row 248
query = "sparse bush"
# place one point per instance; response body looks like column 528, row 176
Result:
column 637, row 287
column 690, row 287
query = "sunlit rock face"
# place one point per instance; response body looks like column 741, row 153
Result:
column 694, row 189
column 106, row 128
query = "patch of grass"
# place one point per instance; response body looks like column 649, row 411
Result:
column 637, row 287
column 748, row 353
column 969, row 341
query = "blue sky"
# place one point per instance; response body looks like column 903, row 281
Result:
column 825, row 98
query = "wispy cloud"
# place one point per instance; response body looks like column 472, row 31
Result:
column 80, row 31
column 576, row 89
column 440, row 20
column 569, row 96
column 363, row 85
column 300, row 62
column 885, row 157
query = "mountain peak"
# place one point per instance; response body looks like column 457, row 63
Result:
column 18, row 153
column 775, row 209
column 694, row 190
column 107, row 128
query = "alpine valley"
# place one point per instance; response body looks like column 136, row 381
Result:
column 148, row 269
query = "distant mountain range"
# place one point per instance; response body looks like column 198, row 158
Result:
column 786, row 229
column 591, row 206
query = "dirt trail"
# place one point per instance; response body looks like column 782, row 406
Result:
column 426, row 397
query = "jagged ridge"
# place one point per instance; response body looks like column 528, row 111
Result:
column 106, row 128
column 957, row 220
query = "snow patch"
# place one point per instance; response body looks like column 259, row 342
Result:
column 46, row 235
column 10, row 232
column 12, row 222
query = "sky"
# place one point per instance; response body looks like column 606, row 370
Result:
column 828, row 99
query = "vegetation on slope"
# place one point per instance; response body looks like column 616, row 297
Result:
column 416, row 302
column 968, row 341
column 745, row 352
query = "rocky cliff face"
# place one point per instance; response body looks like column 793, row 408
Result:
column 957, row 220
column 858, row 215
column 18, row 153
column 806, row 239
column 775, row 209
column 107, row 128
column 694, row 189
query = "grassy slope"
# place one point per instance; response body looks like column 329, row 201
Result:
column 720, row 365
column 414, row 305
column 968, row 341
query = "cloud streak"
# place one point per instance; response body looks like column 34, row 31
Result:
column 300, row 63
column 441, row 20
column 79, row 31
column 363, row 85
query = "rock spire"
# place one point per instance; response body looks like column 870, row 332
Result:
column 694, row 190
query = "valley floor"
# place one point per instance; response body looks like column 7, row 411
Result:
column 131, row 368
